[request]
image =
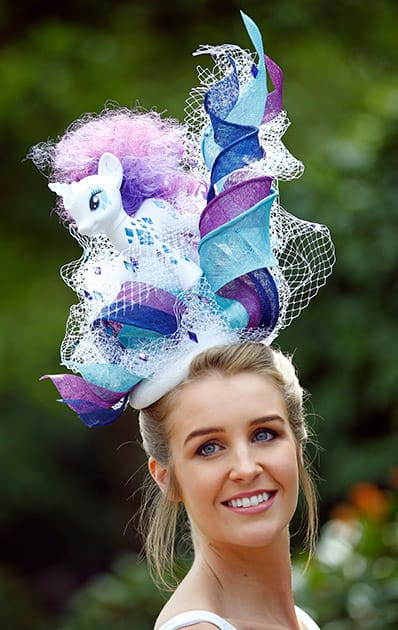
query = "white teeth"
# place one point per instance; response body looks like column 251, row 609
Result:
column 252, row 501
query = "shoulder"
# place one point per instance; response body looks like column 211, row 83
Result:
column 306, row 619
column 201, row 625
column 195, row 619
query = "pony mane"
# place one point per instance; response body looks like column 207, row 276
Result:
column 149, row 147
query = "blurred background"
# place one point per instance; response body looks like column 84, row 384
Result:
column 69, row 551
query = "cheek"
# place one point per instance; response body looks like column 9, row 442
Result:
column 293, row 469
column 198, row 485
column 286, row 467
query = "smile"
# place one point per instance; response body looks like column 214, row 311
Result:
column 253, row 501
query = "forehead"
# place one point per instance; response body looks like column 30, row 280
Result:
column 218, row 397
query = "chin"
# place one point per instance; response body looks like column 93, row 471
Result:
column 258, row 538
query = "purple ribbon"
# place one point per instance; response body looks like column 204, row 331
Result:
column 93, row 404
column 274, row 99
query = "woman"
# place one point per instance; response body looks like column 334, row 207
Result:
column 227, row 444
column 221, row 413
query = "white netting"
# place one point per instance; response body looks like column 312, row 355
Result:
column 305, row 256
column 89, row 341
column 102, row 280
column 278, row 162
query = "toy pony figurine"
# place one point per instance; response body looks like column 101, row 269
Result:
column 95, row 204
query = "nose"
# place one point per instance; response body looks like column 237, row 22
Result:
column 244, row 465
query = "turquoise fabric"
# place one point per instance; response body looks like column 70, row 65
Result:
column 240, row 246
column 109, row 376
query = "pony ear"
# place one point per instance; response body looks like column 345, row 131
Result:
column 65, row 191
column 111, row 167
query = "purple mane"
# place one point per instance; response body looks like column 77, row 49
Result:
column 149, row 147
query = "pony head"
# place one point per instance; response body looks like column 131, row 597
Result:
column 95, row 202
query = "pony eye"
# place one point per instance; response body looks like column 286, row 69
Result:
column 95, row 200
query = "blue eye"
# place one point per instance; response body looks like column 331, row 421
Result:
column 95, row 200
column 208, row 449
column 264, row 435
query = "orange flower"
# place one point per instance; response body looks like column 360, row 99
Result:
column 344, row 512
column 369, row 499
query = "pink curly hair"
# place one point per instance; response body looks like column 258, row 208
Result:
column 149, row 147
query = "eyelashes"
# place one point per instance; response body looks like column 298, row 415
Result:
column 95, row 199
column 207, row 449
column 269, row 432
column 212, row 447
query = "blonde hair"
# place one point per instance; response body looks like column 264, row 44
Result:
column 160, row 513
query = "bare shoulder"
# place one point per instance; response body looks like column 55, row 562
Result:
column 186, row 607
column 201, row 625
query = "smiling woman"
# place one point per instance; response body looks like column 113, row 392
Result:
column 226, row 447
column 190, row 269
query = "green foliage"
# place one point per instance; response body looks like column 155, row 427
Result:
column 20, row 607
column 353, row 581
column 120, row 600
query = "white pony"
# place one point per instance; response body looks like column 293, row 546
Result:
column 95, row 204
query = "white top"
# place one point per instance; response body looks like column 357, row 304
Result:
column 191, row 617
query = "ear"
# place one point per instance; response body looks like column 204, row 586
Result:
column 160, row 474
column 65, row 191
column 111, row 167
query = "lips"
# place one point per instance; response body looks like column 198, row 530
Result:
column 252, row 500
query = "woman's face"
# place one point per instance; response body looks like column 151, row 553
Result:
column 234, row 458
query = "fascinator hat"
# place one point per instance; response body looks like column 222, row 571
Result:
column 185, row 244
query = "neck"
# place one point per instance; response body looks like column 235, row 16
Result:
column 116, row 231
column 248, row 583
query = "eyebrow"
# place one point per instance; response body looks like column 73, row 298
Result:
column 210, row 430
